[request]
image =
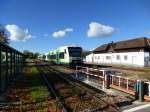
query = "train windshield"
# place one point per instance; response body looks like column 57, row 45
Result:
column 75, row 51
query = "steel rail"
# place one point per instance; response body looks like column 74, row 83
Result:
column 81, row 85
column 51, row 89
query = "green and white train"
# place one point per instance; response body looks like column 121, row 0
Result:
column 65, row 55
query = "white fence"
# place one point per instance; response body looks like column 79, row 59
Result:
column 91, row 72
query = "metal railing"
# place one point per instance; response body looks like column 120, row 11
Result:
column 92, row 72
column 122, row 83
column 127, row 85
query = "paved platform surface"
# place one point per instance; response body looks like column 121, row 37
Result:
column 134, row 107
column 137, row 107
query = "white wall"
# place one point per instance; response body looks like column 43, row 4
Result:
column 89, row 58
column 133, row 58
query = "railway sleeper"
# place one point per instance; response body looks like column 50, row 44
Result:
column 78, row 85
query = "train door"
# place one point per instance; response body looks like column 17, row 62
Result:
column 65, row 55
column 57, row 57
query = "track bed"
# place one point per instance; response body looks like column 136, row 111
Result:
column 52, row 89
column 115, row 100
column 76, row 97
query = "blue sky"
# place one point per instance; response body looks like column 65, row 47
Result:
column 32, row 23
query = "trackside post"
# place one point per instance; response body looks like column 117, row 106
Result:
column 87, row 74
column 76, row 72
column 107, row 81
column 141, row 91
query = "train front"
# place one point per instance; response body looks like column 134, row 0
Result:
column 75, row 55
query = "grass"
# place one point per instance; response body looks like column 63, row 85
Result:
column 38, row 91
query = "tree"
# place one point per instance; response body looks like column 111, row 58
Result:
column 3, row 35
column 85, row 53
column 43, row 57
column 30, row 55
column 36, row 55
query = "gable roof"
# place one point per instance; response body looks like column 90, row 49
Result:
column 127, row 44
column 101, row 48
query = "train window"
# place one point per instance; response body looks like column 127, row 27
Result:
column 49, row 56
column 75, row 51
column 53, row 56
column 61, row 55
column 65, row 51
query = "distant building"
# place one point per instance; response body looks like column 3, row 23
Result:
column 42, row 57
column 134, row 52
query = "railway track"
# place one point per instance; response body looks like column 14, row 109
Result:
column 97, row 105
column 51, row 88
column 114, row 101
column 107, row 107
column 90, row 90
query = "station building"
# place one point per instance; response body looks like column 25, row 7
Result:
column 134, row 52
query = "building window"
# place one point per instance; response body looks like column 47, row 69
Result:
column 95, row 57
column 125, row 57
column 118, row 57
column 107, row 57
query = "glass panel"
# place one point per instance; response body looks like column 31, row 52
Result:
column 9, row 65
column 3, row 70
column 13, row 65
column 75, row 51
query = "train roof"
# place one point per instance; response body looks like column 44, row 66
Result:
column 62, row 47
column 69, row 46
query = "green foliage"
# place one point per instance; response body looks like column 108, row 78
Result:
column 39, row 93
column 30, row 55
column 34, row 71
column 43, row 57
column 95, row 66
column 85, row 53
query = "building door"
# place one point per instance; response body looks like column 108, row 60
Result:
column 108, row 59
column 92, row 60
column 134, row 60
